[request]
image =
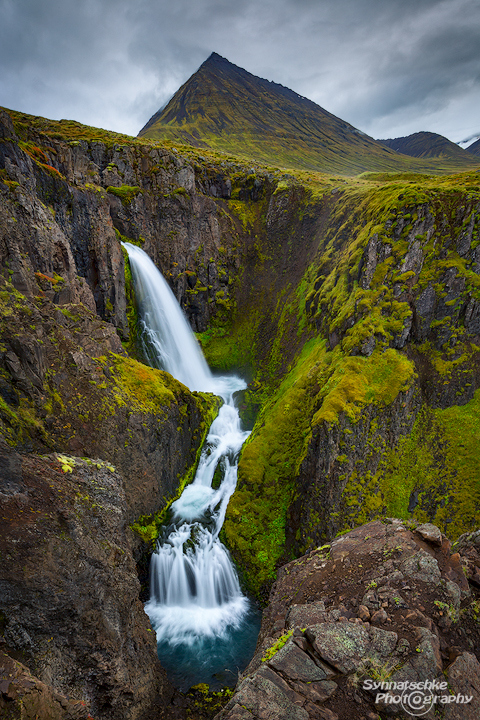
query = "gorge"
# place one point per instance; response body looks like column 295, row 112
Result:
column 202, row 620
column 350, row 303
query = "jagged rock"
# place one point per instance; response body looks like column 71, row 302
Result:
column 24, row 696
column 387, row 562
column 430, row 533
column 82, row 405
column 69, row 600
column 425, row 308
column 423, row 567
column 291, row 661
column 267, row 696
column 464, row 679
column 370, row 262
column 302, row 615
column 345, row 645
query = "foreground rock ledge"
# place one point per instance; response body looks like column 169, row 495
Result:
column 383, row 602
column 74, row 636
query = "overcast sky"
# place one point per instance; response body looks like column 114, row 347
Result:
column 389, row 67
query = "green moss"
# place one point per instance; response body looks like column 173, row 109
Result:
column 231, row 346
column 437, row 463
column 207, row 703
column 147, row 388
column 68, row 130
column 148, row 526
column 321, row 386
column 11, row 184
column 19, row 424
column 273, row 649
column 358, row 381
column 126, row 193
column 131, row 309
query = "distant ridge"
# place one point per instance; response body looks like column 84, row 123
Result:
column 474, row 147
column 426, row 145
column 227, row 109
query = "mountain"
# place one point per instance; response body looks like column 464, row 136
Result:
column 226, row 108
column 474, row 147
column 426, row 145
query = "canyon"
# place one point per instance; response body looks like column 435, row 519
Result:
column 350, row 306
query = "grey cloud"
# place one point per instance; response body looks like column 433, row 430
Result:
column 373, row 62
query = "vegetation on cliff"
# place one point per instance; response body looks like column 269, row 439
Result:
column 226, row 108
column 351, row 306
column 389, row 302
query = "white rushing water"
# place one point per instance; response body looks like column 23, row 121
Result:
column 167, row 339
column 195, row 594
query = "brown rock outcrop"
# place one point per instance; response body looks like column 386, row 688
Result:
column 69, row 599
column 321, row 656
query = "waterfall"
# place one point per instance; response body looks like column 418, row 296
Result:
column 166, row 338
column 196, row 605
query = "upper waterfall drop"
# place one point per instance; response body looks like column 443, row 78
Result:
column 168, row 341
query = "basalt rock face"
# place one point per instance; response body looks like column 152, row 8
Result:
column 429, row 293
column 73, row 628
column 67, row 385
column 66, row 203
column 69, row 605
column 367, row 422
column 70, row 608
column 382, row 603
column 63, row 307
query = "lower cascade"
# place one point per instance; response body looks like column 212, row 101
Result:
column 206, row 627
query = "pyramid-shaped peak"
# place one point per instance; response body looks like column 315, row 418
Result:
column 215, row 57
column 225, row 108
column 216, row 61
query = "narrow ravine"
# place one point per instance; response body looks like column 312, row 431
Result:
column 206, row 627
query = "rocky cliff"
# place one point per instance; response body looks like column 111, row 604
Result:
column 360, row 294
column 69, row 600
column 351, row 306
column 385, row 603
column 382, row 308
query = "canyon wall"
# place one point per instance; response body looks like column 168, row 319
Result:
column 351, row 306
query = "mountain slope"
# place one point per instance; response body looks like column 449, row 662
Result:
column 226, row 108
column 474, row 148
column 426, row 145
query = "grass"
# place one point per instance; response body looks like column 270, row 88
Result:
column 227, row 109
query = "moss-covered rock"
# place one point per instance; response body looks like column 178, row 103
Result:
column 390, row 306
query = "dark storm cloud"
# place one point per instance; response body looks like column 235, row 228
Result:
column 386, row 66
